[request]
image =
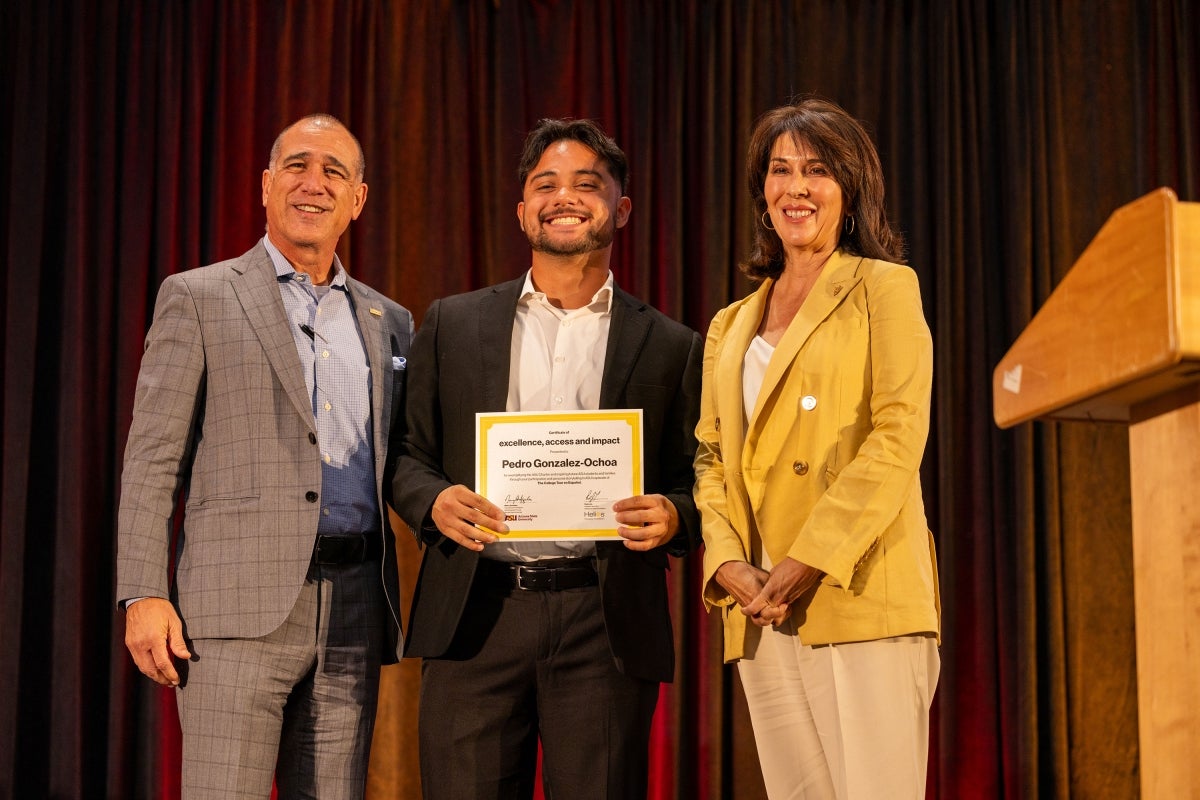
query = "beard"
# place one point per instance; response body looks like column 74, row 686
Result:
column 587, row 242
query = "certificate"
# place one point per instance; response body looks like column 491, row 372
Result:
column 557, row 474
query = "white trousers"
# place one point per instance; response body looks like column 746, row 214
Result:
column 843, row 721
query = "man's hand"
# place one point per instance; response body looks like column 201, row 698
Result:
column 789, row 579
column 154, row 633
column 456, row 512
column 646, row 521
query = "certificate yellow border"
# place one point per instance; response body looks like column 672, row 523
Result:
column 485, row 421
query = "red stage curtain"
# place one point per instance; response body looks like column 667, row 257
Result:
column 132, row 137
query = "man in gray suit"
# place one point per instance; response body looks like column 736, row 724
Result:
column 561, row 641
column 270, row 399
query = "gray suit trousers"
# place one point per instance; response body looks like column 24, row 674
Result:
column 307, row 692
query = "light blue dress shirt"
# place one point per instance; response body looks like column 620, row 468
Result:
column 338, row 375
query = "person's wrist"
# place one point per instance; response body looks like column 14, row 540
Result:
column 724, row 572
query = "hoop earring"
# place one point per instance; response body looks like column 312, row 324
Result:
column 848, row 225
column 766, row 221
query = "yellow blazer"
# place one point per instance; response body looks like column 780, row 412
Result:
column 826, row 468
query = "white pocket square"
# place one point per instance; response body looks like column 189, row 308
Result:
column 399, row 362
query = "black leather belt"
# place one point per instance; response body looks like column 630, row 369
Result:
column 353, row 548
column 551, row 575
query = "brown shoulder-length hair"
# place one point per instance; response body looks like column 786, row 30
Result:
column 838, row 140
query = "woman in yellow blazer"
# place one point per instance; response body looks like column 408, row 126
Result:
column 814, row 418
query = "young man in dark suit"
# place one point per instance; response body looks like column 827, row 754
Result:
column 565, row 641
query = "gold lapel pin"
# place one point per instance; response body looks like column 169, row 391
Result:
column 377, row 312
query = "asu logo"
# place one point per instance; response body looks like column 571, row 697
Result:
column 510, row 517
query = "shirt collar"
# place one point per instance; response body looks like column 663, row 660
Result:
column 285, row 271
column 601, row 301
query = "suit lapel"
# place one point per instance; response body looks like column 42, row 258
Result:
column 371, row 326
column 735, row 343
column 627, row 332
column 832, row 287
column 628, row 328
column 497, row 312
column 257, row 289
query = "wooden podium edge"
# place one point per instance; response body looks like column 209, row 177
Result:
column 1164, row 464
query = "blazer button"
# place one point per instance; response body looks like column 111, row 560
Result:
column 310, row 497
column 800, row 467
column 312, row 438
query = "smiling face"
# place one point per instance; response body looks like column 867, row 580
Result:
column 803, row 200
column 571, row 204
column 313, row 190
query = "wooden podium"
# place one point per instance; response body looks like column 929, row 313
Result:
column 1119, row 341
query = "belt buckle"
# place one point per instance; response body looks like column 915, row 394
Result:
column 523, row 572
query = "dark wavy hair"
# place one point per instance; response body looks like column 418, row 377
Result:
column 584, row 131
column 842, row 144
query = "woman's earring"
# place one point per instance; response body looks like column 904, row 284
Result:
column 766, row 221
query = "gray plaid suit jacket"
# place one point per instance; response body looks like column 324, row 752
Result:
column 222, row 418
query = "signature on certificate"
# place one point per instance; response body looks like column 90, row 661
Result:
column 517, row 498
column 593, row 494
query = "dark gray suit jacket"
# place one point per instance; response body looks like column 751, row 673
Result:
column 460, row 366
column 223, row 416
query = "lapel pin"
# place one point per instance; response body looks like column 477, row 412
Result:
column 376, row 312
column 837, row 289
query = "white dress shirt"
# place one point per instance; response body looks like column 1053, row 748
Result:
column 556, row 364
